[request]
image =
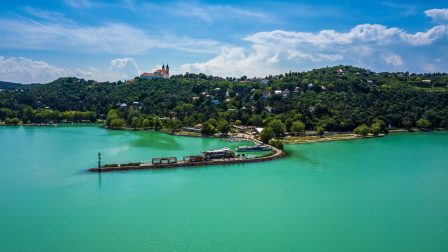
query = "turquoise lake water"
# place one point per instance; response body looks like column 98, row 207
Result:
column 383, row 194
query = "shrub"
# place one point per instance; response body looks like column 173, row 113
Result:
column 423, row 123
column 362, row 130
column 266, row 134
column 276, row 143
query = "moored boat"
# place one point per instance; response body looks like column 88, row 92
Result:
column 257, row 147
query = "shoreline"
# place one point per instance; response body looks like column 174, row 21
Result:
column 329, row 138
column 345, row 136
column 340, row 136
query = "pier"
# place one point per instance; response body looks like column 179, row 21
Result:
column 188, row 162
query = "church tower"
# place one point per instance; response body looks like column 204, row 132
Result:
column 167, row 69
column 163, row 68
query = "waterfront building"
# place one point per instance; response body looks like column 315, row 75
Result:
column 216, row 154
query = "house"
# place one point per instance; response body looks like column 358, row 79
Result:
column 297, row 90
column 323, row 88
column 278, row 92
column 426, row 81
column 123, row 105
column 312, row 109
column 195, row 98
column 310, row 85
column 217, row 154
column 214, row 101
column 340, row 71
column 135, row 104
column 264, row 81
column 286, row 92
column 266, row 94
column 163, row 73
column 268, row 109
column 192, row 129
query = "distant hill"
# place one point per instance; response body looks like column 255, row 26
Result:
column 338, row 98
column 11, row 85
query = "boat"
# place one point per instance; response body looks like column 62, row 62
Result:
column 257, row 147
column 233, row 139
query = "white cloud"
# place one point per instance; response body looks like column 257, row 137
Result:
column 210, row 13
column 368, row 45
column 438, row 15
column 47, row 15
column 113, row 38
column 393, row 59
column 121, row 69
column 79, row 4
column 360, row 34
column 235, row 61
column 25, row 70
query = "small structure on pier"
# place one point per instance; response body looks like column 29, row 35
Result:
column 193, row 158
column 220, row 153
column 165, row 160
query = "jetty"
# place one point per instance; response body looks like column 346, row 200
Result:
column 213, row 157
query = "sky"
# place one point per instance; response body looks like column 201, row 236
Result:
column 42, row 40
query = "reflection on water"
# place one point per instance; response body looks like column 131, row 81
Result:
column 152, row 140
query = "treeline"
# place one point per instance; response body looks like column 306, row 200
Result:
column 29, row 115
column 339, row 98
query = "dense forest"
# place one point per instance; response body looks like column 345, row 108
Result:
column 339, row 98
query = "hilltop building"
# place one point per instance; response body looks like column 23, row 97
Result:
column 158, row 74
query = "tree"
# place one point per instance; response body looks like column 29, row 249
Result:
column 157, row 123
column 208, row 129
column 117, row 123
column 113, row 120
column 13, row 121
column 174, row 125
column 423, row 123
column 276, row 143
column 375, row 129
column 278, row 127
column 223, row 126
column 238, row 122
column 297, row 128
column 407, row 122
column 145, row 123
column 256, row 120
column 380, row 124
column 136, row 122
column 266, row 134
column 362, row 130
column 320, row 130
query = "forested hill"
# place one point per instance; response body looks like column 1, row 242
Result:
column 10, row 85
column 333, row 98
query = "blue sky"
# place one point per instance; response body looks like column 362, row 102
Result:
column 116, row 40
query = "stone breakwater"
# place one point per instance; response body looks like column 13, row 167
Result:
column 276, row 153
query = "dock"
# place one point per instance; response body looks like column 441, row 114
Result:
column 276, row 153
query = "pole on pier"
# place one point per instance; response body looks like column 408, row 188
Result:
column 99, row 161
